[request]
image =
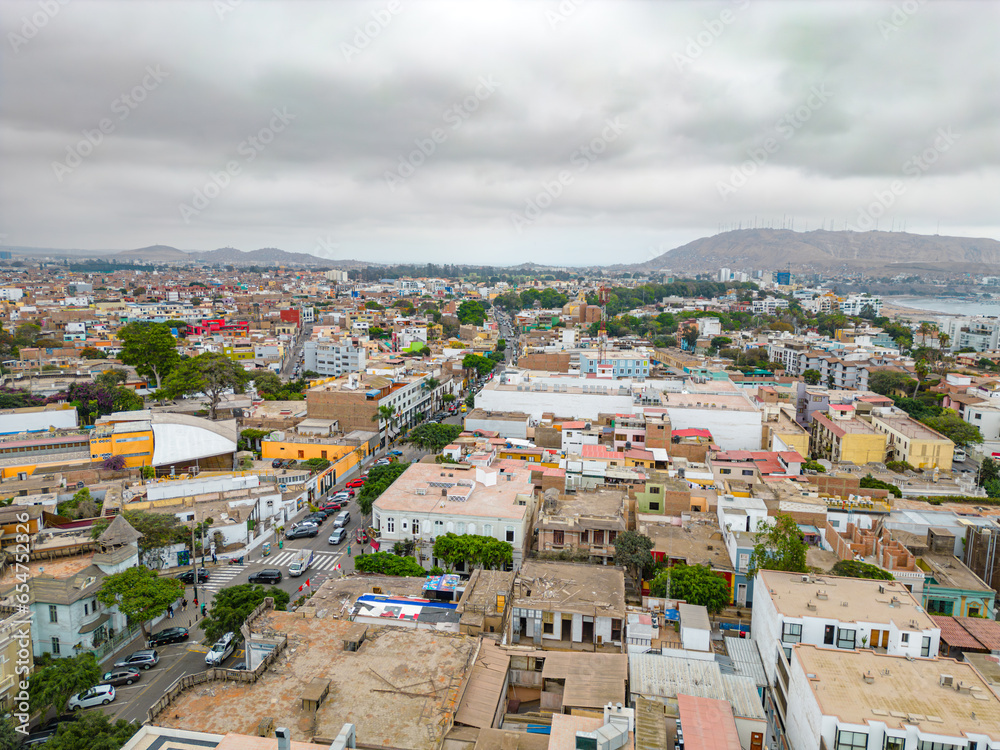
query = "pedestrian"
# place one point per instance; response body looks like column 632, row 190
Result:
column 170, row 612
column 202, row 610
column 184, row 605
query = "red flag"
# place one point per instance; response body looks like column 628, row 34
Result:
column 307, row 582
column 300, row 588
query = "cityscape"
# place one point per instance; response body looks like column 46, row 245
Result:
column 596, row 376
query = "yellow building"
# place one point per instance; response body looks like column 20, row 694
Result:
column 915, row 443
column 294, row 447
column 842, row 438
column 132, row 440
column 239, row 352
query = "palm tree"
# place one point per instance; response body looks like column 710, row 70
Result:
column 387, row 415
column 943, row 340
column 430, row 384
column 922, row 369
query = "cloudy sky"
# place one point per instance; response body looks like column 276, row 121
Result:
column 571, row 132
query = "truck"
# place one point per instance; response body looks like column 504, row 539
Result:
column 301, row 562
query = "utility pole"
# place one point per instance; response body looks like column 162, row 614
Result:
column 194, row 562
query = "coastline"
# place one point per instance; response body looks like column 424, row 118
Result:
column 893, row 310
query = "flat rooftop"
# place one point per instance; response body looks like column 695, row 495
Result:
column 571, row 587
column 399, row 689
column 950, row 572
column 456, row 489
column 868, row 600
column 699, row 541
column 730, row 402
column 910, row 693
column 909, row 427
column 845, row 426
column 604, row 507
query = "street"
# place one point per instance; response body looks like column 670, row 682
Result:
column 181, row 659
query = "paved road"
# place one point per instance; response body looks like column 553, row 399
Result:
column 178, row 660
column 296, row 356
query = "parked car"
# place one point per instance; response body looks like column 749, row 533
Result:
column 276, row 463
column 54, row 723
column 343, row 518
column 342, row 495
column 222, row 649
column 338, row 536
column 351, row 492
column 357, row 482
column 383, row 462
column 269, row 575
column 99, row 695
column 145, row 659
column 188, row 576
column 333, row 505
column 395, row 453
column 170, row 635
column 39, row 737
column 318, row 516
column 118, row 677
column 303, row 531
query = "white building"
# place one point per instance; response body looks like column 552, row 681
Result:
column 11, row 294
column 865, row 700
column 430, row 500
column 833, row 613
column 335, row 358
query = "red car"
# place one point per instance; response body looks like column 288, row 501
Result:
column 356, row 483
column 333, row 505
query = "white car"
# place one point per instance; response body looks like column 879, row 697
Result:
column 99, row 695
column 221, row 650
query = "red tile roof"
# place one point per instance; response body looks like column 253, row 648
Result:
column 602, row 451
column 954, row 634
column 693, row 432
column 986, row 632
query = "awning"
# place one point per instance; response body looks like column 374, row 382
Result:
column 92, row 626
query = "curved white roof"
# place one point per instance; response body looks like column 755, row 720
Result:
column 177, row 443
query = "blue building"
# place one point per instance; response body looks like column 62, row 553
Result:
column 622, row 365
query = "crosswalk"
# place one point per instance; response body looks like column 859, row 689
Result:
column 322, row 561
column 220, row 578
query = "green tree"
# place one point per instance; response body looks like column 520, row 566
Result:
column 871, row 483
column 90, row 352
column 695, row 584
column 482, row 365
column 386, row 416
column 267, row 382
column 858, row 569
column 92, row 731
column 811, row 377
column 778, row 547
column 159, row 530
column 150, row 348
column 212, row 374
column 690, row 337
column 633, row 551
column 471, row 312
column 473, row 550
column 718, row 342
column 379, row 480
column 956, row 429
column 388, row 564
column 232, row 606
column 111, row 378
column 317, row 464
column 888, row 382
column 55, row 684
column 10, row 738
column 434, row 437
column 140, row 594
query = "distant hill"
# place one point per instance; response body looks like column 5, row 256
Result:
column 268, row 256
column 828, row 250
column 161, row 253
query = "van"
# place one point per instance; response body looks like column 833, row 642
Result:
column 222, row 649
column 343, row 518
column 959, row 455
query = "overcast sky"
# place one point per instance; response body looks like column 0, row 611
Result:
column 491, row 132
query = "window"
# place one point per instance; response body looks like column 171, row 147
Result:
column 845, row 638
column 851, row 740
column 487, row 529
column 904, row 638
column 86, row 610
column 390, row 525
column 927, row 745
column 460, row 527
column 744, row 560
column 791, row 632
column 925, row 646
column 416, row 527
column 558, row 537
column 510, row 534
column 893, row 743
column 53, row 613
column 55, row 646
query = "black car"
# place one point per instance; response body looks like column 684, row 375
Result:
column 188, row 576
column 303, row 531
column 170, row 635
column 55, row 722
column 124, row 676
column 319, row 515
column 270, row 575
column 38, row 738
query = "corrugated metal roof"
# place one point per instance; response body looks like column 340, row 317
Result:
column 486, row 687
column 746, row 659
column 708, row 724
column 667, row 676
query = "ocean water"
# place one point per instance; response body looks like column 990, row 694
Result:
column 953, row 305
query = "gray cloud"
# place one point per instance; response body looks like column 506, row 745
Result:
column 698, row 88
